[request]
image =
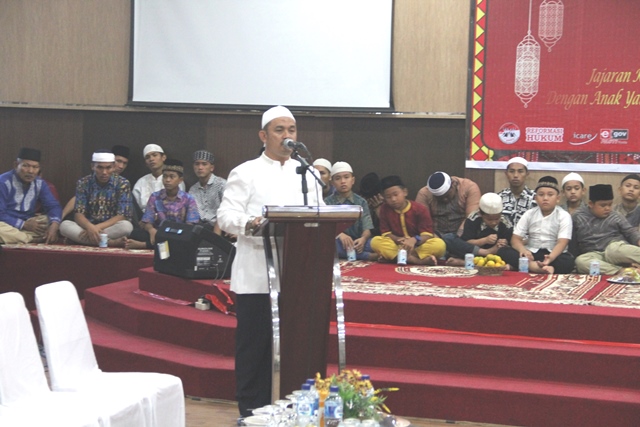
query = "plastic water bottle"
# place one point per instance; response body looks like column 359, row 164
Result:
column 333, row 408
column 304, row 407
column 369, row 393
column 315, row 398
column 402, row 257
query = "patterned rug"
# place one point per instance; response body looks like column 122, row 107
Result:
column 79, row 248
column 456, row 282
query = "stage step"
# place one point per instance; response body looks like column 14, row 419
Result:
column 561, row 321
column 602, row 363
column 489, row 377
column 505, row 401
column 203, row 374
column 569, row 322
column 120, row 305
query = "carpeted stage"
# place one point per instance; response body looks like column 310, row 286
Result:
column 516, row 349
column 455, row 282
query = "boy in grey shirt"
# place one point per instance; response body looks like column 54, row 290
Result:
column 604, row 235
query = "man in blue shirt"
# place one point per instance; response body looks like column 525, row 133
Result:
column 20, row 190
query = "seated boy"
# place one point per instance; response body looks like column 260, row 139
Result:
column 630, row 193
column 604, row 235
column 358, row 236
column 170, row 203
column 574, row 191
column 323, row 166
column 547, row 231
column 485, row 231
column 405, row 225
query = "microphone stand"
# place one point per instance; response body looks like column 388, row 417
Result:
column 302, row 170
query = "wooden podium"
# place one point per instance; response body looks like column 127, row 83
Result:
column 301, row 273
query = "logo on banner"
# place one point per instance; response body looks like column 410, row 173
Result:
column 509, row 133
column 614, row 136
column 534, row 134
column 582, row 138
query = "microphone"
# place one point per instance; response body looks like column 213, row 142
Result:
column 293, row 145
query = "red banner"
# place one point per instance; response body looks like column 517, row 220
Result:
column 556, row 82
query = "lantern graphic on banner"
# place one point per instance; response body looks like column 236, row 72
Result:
column 527, row 66
column 550, row 22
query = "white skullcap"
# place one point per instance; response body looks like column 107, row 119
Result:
column 491, row 203
column 439, row 183
column 102, row 157
column 519, row 160
column 340, row 167
column 572, row 177
column 324, row 163
column 274, row 113
column 152, row 148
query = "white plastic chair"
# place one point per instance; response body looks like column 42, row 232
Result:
column 73, row 366
column 25, row 397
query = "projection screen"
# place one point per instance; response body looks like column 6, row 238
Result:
column 305, row 53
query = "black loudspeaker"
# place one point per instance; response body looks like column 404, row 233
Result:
column 192, row 251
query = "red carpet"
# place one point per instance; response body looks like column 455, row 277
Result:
column 25, row 267
column 560, row 360
column 456, row 282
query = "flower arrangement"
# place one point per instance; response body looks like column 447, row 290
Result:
column 360, row 399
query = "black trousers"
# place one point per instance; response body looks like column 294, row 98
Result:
column 253, row 352
column 563, row 264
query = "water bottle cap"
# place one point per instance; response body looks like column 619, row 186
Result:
column 306, row 386
column 365, row 377
column 311, row 381
column 334, row 388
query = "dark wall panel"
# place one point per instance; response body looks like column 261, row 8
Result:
column 410, row 148
column 178, row 134
column 57, row 133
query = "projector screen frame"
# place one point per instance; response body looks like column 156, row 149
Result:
column 244, row 107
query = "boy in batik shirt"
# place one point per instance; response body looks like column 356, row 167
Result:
column 171, row 203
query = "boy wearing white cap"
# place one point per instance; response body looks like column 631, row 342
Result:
column 629, row 191
column 154, row 158
column 103, row 204
column 518, row 198
column 573, row 188
column 323, row 166
column 486, row 231
column 270, row 179
column 358, row 236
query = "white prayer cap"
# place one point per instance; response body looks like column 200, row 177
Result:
column 274, row 113
column 572, row 177
column 152, row 148
column 518, row 160
column 491, row 203
column 439, row 183
column 102, row 157
column 340, row 167
column 324, row 163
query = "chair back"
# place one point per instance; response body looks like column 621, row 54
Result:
column 65, row 334
column 21, row 371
